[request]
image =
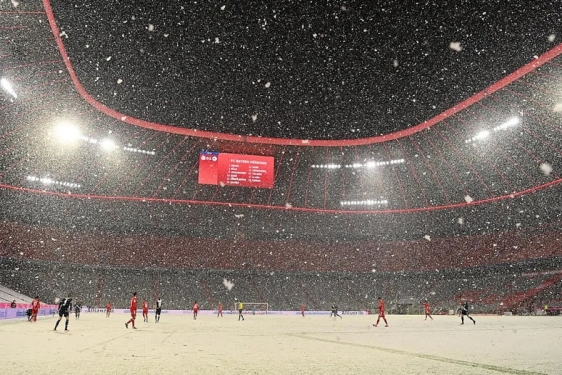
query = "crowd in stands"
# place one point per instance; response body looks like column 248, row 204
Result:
column 489, row 289
column 497, row 271
column 23, row 241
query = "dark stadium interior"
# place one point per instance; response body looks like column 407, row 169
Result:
column 466, row 190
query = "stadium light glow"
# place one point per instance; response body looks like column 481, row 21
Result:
column 326, row 166
column 373, row 164
column 132, row 149
column 108, row 145
column 67, row 133
column 7, row 86
column 508, row 124
column 50, row 181
column 369, row 164
column 486, row 133
column 367, row 202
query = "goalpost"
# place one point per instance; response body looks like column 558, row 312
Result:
column 259, row 308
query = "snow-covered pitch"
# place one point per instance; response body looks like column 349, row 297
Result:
column 283, row 345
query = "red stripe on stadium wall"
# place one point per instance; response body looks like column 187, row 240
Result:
column 282, row 208
column 541, row 60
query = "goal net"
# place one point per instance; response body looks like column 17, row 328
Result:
column 254, row 308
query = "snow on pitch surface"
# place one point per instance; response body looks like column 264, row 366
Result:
column 283, row 345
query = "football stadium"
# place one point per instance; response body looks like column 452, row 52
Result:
column 295, row 187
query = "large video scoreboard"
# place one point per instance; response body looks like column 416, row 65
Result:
column 217, row 168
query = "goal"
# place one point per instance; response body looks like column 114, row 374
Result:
column 254, row 308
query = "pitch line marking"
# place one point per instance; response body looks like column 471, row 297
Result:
column 502, row 369
column 104, row 342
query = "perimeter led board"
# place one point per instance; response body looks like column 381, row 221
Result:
column 216, row 168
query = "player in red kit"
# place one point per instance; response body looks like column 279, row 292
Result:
column 145, row 310
column 381, row 313
column 302, row 310
column 108, row 309
column 427, row 310
column 195, row 310
column 133, row 308
column 220, row 310
column 35, row 306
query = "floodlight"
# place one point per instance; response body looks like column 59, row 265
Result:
column 67, row 133
column 512, row 122
column 482, row 135
column 108, row 145
column 7, row 86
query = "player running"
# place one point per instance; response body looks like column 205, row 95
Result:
column 334, row 311
column 145, row 310
column 108, row 309
column 427, row 310
column 133, row 309
column 219, row 313
column 381, row 313
column 65, row 305
column 463, row 311
column 195, row 310
column 302, row 310
column 35, row 306
column 158, row 310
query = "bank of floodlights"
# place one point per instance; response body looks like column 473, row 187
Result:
column 375, row 163
column 69, row 134
column 47, row 181
column 484, row 134
column 366, row 202
column 367, row 165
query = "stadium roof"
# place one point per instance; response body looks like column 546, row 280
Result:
column 494, row 156
column 296, row 69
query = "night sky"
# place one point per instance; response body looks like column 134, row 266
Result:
column 299, row 69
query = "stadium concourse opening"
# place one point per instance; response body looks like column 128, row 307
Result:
column 259, row 253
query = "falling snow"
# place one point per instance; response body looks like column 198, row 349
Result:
column 545, row 168
column 455, row 46
column 227, row 284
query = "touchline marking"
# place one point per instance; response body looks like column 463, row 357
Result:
column 506, row 370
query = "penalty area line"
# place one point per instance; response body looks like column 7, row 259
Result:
column 431, row 357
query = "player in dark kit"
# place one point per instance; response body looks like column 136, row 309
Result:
column 65, row 305
column 158, row 310
column 335, row 311
column 463, row 311
column 77, row 309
